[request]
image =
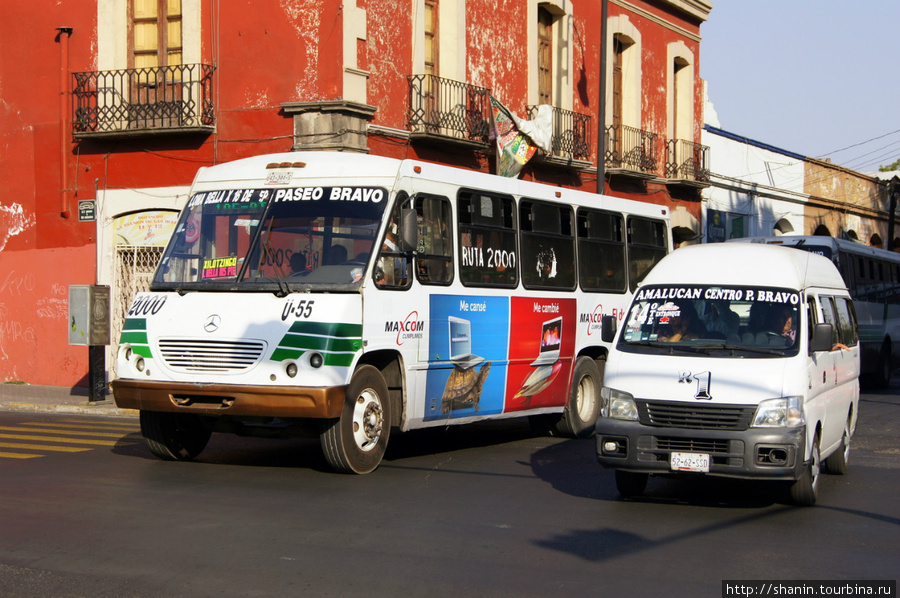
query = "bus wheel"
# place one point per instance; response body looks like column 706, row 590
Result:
column 630, row 483
column 581, row 413
column 174, row 436
column 805, row 490
column 355, row 442
column 839, row 461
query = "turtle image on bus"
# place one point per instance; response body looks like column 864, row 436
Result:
column 351, row 297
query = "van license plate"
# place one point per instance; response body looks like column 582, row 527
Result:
column 689, row 462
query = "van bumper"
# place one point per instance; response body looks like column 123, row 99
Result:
column 754, row 453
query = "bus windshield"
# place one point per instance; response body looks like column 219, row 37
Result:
column 752, row 320
column 275, row 240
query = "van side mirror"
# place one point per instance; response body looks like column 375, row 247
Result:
column 608, row 326
column 822, row 338
column 409, row 230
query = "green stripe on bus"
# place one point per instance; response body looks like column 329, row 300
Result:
column 327, row 328
column 135, row 324
column 283, row 354
column 142, row 350
column 339, row 359
column 137, row 336
column 319, row 343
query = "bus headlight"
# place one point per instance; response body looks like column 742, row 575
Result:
column 291, row 369
column 316, row 360
column 617, row 404
column 784, row 412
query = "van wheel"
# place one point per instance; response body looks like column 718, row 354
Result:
column 631, row 484
column 356, row 441
column 583, row 409
column 839, row 461
column 174, row 436
column 805, row 490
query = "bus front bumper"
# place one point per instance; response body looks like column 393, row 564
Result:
column 230, row 400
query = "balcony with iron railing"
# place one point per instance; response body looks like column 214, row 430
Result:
column 687, row 163
column 632, row 151
column 448, row 110
column 131, row 102
column 571, row 139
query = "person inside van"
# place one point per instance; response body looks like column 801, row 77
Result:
column 684, row 325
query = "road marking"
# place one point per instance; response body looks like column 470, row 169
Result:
column 57, row 449
column 18, row 456
column 75, row 432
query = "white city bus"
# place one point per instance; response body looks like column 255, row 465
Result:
column 873, row 277
column 347, row 295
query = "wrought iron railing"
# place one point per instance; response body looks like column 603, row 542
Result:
column 571, row 133
column 134, row 100
column 448, row 108
column 687, row 160
column 632, row 149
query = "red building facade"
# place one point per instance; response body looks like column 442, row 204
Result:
column 112, row 105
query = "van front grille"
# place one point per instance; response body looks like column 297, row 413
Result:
column 672, row 414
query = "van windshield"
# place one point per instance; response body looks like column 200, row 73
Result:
column 754, row 320
column 275, row 240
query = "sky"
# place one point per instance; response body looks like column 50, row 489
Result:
column 820, row 78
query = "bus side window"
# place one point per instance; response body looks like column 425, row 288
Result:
column 601, row 251
column 647, row 244
column 392, row 266
column 434, row 253
column 547, row 242
column 487, row 239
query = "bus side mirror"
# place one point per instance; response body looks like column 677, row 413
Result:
column 608, row 327
column 409, row 230
column 822, row 338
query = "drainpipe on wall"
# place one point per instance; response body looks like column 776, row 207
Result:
column 894, row 191
column 601, row 105
column 63, row 38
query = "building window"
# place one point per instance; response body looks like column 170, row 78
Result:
column 545, row 56
column 156, row 33
column 431, row 37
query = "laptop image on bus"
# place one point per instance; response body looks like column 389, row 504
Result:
column 551, row 340
column 461, row 344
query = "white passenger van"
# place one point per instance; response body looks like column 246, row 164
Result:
column 737, row 360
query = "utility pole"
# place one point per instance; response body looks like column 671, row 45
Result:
column 894, row 191
column 601, row 104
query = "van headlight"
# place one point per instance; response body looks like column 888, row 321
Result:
column 617, row 404
column 784, row 412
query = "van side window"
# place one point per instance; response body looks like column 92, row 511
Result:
column 548, row 245
column 487, row 239
column 829, row 316
column 392, row 268
column 601, row 251
column 647, row 244
column 434, row 253
column 847, row 321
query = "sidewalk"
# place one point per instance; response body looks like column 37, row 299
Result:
column 57, row 399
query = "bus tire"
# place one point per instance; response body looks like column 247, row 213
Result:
column 631, row 483
column 356, row 441
column 805, row 490
column 881, row 378
column 839, row 461
column 583, row 409
column 174, row 436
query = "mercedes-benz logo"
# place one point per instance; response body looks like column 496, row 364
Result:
column 212, row 323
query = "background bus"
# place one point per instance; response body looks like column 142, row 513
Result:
column 873, row 277
column 348, row 295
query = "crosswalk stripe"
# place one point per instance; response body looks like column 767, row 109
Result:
column 61, row 439
column 58, row 449
column 74, row 432
column 18, row 456
column 77, row 425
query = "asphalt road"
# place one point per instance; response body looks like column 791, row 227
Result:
column 485, row 510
